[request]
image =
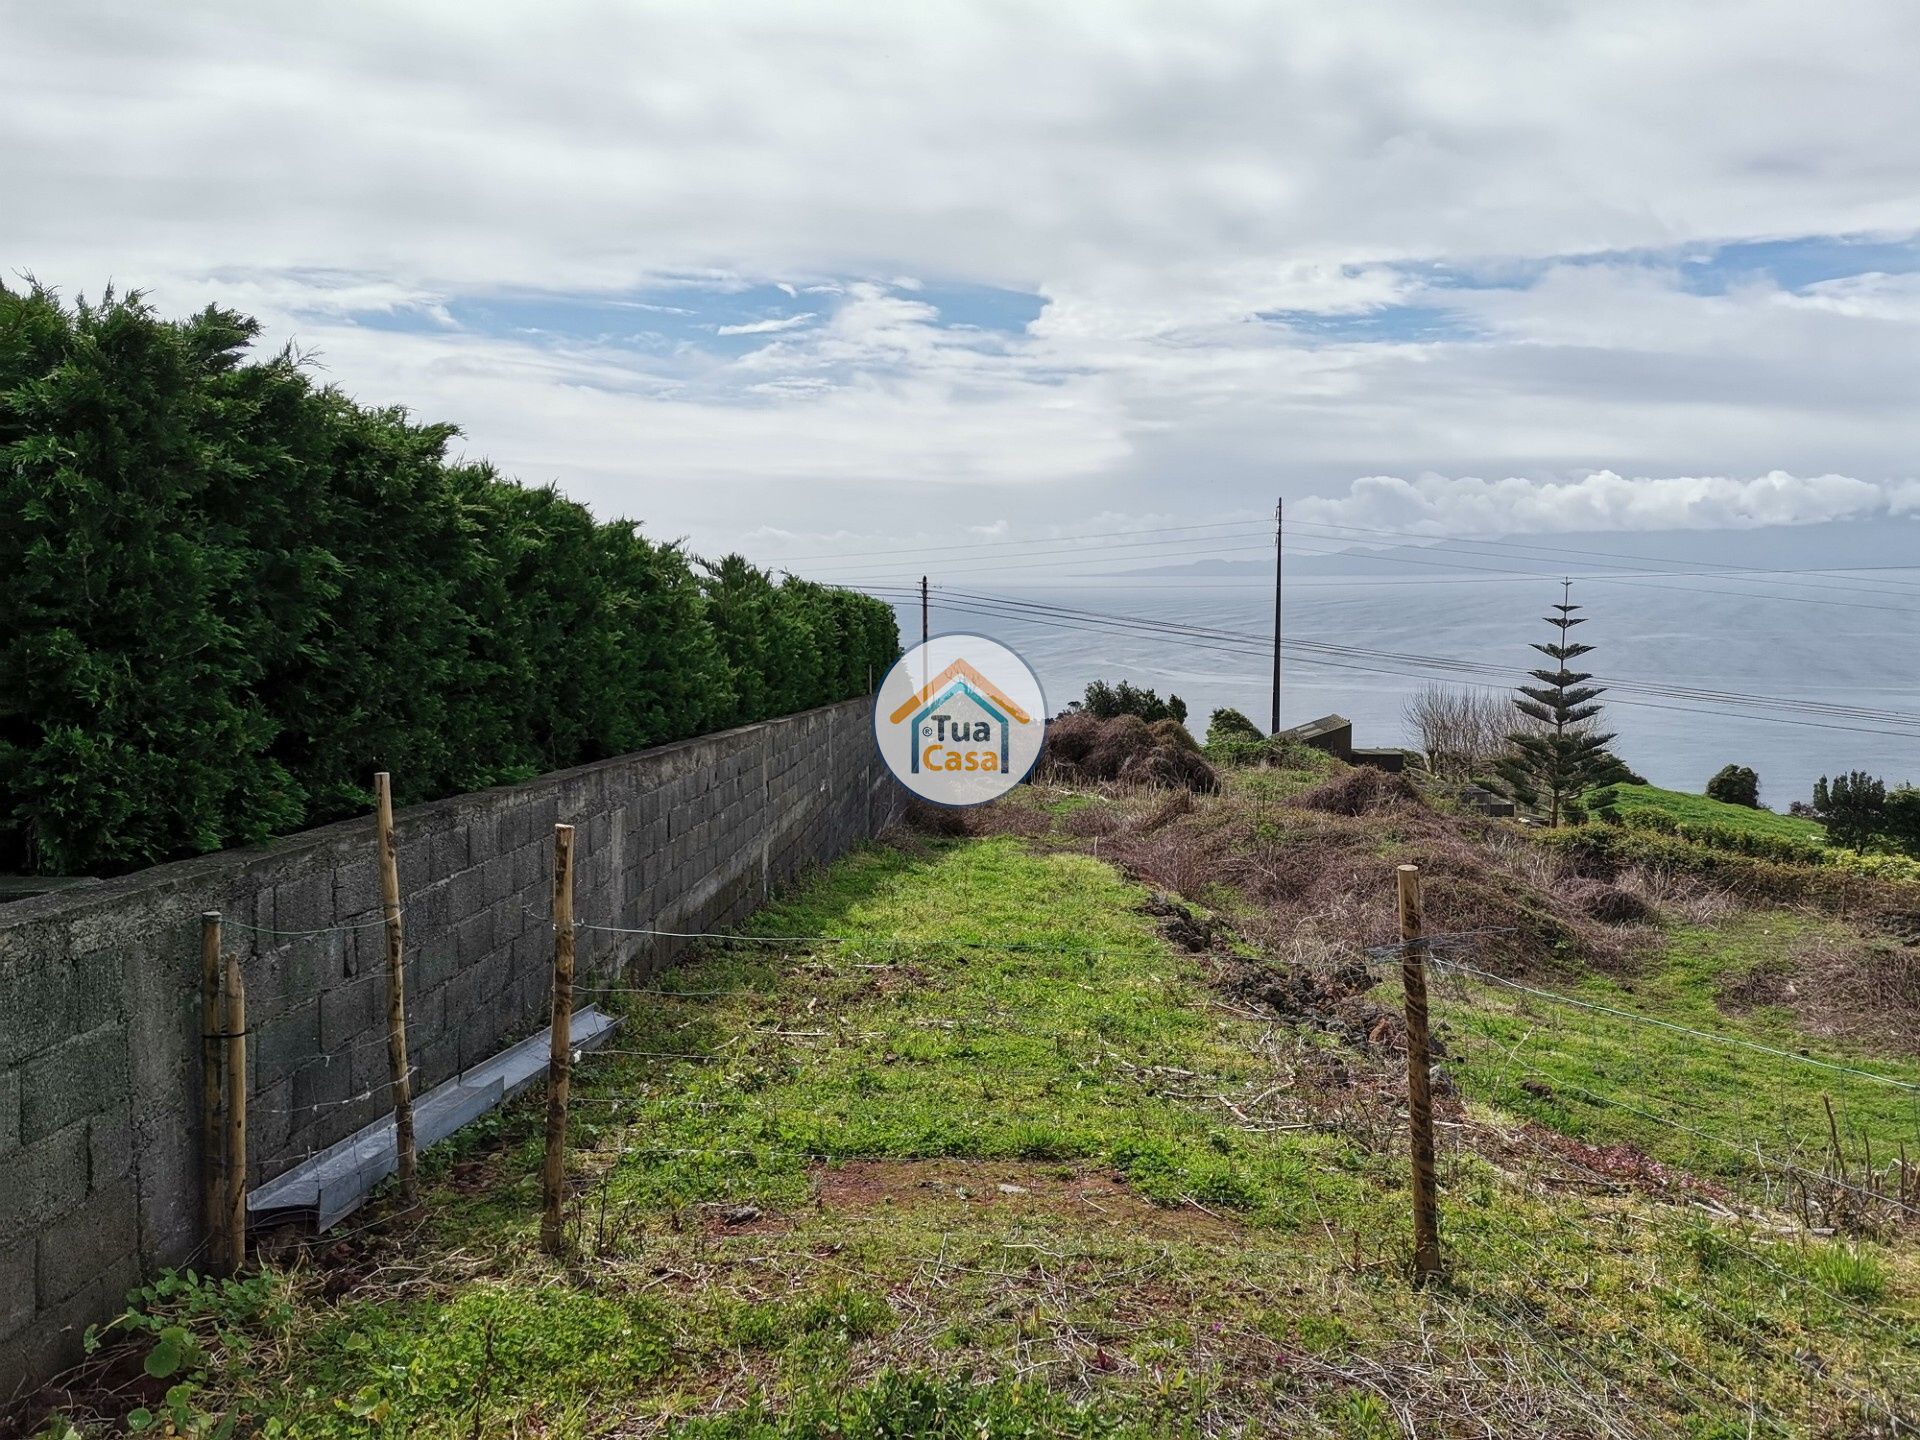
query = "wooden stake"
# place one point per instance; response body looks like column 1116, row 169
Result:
column 560, row 1056
column 1413, row 981
column 213, row 1183
column 233, row 1021
column 402, row 1081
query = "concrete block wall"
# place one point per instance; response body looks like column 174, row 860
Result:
column 99, row 987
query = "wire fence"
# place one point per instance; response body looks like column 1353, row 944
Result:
column 1771, row 1188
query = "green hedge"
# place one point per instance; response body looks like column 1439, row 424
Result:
column 1739, row 839
column 1842, row 879
column 228, row 596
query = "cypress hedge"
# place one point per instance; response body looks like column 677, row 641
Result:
column 229, row 595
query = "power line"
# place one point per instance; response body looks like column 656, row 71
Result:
column 1355, row 658
column 1183, row 630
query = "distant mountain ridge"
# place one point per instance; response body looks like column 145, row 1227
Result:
column 1836, row 545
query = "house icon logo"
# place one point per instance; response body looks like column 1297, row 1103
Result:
column 959, row 720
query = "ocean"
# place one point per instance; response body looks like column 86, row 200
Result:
column 1844, row 646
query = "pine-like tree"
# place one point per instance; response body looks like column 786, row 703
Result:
column 1559, row 756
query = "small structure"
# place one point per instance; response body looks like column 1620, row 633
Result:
column 1331, row 733
column 1381, row 757
column 1483, row 801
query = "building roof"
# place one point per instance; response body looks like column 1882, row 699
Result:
column 1325, row 725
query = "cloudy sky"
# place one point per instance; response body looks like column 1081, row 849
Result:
column 824, row 278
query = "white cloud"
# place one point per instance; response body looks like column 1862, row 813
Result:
column 765, row 327
column 1466, row 505
column 1162, row 175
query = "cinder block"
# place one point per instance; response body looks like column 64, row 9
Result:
column 270, row 1121
column 97, row 986
column 430, row 967
column 293, row 975
column 168, row 1178
column 320, row 1085
column 38, row 1014
column 109, row 1146
column 448, row 850
column 532, row 867
column 54, row 1342
column 43, row 1178
column 425, row 912
column 86, row 1242
column 356, row 888
column 473, row 938
column 496, row 877
column 348, row 1011
column 18, row 1292
column 438, row 1059
column 9, row 1110
column 466, row 895
column 304, row 902
column 283, row 1044
column 66, row 1084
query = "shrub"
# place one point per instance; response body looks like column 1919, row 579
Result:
column 232, row 595
column 1729, row 837
column 1226, row 725
column 1104, row 702
column 1361, row 791
column 1902, row 819
column 1854, row 806
column 1082, row 749
column 1172, row 732
column 1462, row 730
column 1735, row 785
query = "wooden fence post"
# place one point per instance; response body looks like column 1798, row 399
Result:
column 1413, row 981
column 560, row 1055
column 234, row 1120
column 402, row 1081
column 213, row 1181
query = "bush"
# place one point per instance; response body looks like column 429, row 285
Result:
column 1081, row 749
column 232, row 595
column 1361, row 791
column 1842, row 880
column 1172, row 732
column 1735, row 785
column 1105, row 702
column 1854, row 806
column 1901, row 819
column 1225, row 726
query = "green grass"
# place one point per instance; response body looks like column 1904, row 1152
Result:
column 1021, row 1173
column 1688, row 809
column 1684, row 1099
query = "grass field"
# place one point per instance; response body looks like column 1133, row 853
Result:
column 994, row 1160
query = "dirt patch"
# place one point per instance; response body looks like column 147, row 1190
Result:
column 1084, row 1194
column 1320, row 885
column 1190, row 929
column 1858, row 989
column 1610, row 904
column 108, row 1384
column 732, row 1218
column 1335, row 998
column 1623, row 1165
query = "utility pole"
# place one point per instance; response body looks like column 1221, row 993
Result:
column 923, row 609
column 1279, row 527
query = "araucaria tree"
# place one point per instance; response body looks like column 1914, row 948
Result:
column 1558, row 754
